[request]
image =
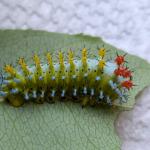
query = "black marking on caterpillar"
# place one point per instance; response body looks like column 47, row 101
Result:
column 88, row 81
column 1, row 80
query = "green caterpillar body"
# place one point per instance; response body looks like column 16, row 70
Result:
column 89, row 81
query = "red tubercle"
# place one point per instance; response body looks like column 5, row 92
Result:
column 127, row 74
column 119, row 71
column 123, row 71
column 120, row 59
column 127, row 84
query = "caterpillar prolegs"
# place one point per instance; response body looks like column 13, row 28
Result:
column 90, row 81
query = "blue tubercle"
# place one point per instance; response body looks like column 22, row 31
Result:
column 14, row 91
column 3, row 94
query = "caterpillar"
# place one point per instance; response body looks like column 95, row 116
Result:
column 89, row 81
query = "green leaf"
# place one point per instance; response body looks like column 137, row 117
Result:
column 61, row 125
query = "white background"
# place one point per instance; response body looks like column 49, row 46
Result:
column 123, row 23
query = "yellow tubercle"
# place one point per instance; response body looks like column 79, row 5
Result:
column 49, row 58
column 102, row 52
column 71, row 62
column 101, row 64
column 14, row 74
column 84, row 52
column 50, row 61
column 84, row 56
column 70, row 56
column 84, row 61
column 23, row 65
column 37, row 61
column 9, row 69
column 50, row 71
column 61, row 60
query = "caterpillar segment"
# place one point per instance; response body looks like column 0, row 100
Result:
column 86, row 80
